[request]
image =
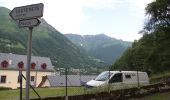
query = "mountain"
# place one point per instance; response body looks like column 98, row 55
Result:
column 151, row 53
column 100, row 46
column 46, row 41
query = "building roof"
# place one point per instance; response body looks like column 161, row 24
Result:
column 14, row 59
column 72, row 80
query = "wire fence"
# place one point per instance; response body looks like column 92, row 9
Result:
column 66, row 84
column 75, row 84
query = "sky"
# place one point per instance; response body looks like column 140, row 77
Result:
column 121, row 19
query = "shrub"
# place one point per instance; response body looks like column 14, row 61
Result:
column 5, row 88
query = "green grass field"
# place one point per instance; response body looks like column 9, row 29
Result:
column 60, row 91
column 43, row 92
column 158, row 96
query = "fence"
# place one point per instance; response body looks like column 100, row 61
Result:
column 122, row 94
column 72, row 87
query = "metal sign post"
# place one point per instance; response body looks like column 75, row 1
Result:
column 66, row 97
column 27, row 17
column 20, row 81
column 29, row 47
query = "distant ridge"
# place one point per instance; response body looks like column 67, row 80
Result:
column 100, row 46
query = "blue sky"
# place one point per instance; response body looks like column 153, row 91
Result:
column 122, row 19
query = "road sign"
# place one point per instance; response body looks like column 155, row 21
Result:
column 27, row 12
column 29, row 22
column 26, row 16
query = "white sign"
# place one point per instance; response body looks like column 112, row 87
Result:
column 27, row 12
column 29, row 23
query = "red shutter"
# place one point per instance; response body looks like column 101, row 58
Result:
column 20, row 65
column 4, row 64
column 44, row 66
column 33, row 65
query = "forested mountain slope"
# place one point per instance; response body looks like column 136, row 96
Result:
column 47, row 41
column 100, row 46
column 152, row 51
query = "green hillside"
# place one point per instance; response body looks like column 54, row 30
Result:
column 100, row 46
column 152, row 52
column 47, row 41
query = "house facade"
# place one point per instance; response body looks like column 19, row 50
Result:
column 11, row 64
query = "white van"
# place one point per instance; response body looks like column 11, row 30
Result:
column 119, row 78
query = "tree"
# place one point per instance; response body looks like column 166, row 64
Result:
column 159, row 14
column 151, row 52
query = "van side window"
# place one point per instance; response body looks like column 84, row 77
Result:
column 116, row 78
column 127, row 76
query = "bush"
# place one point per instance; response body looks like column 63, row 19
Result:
column 5, row 88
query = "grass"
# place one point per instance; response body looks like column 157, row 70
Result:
column 158, row 96
column 60, row 91
column 43, row 92
column 167, row 73
column 9, row 94
column 157, row 77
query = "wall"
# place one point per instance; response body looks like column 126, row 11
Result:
column 12, row 78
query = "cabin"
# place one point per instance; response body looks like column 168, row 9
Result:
column 11, row 64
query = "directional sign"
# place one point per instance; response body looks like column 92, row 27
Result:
column 27, row 12
column 29, row 23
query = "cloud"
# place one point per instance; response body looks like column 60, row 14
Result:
column 64, row 15
column 140, row 3
column 126, row 37
column 68, row 16
column 100, row 4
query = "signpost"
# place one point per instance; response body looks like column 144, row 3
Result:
column 27, row 12
column 29, row 23
column 27, row 17
column 20, row 81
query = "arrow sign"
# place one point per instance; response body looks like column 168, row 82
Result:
column 27, row 12
column 29, row 23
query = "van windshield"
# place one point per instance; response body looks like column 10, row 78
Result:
column 103, row 76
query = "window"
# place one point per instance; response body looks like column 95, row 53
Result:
column 116, row 78
column 3, row 79
column 103, row 76
column 32, row 78
column 127, row 76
